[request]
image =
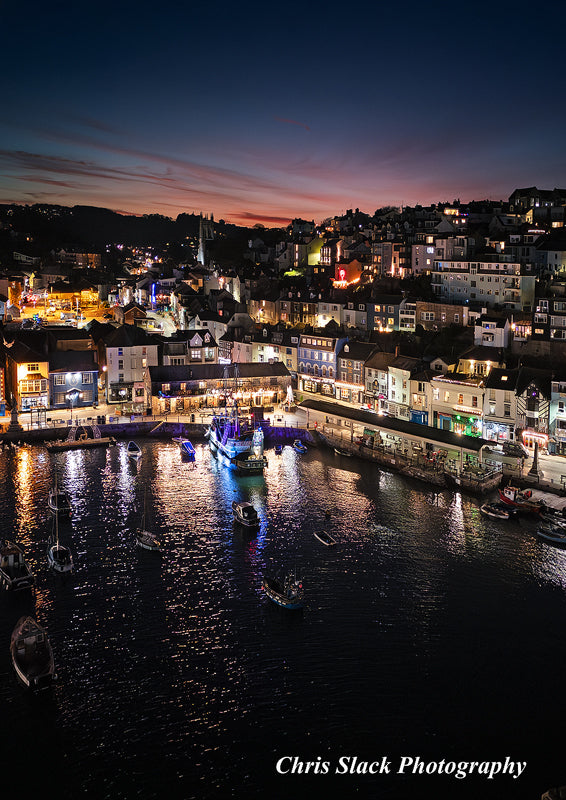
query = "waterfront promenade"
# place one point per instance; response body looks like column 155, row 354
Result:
column 345, row 432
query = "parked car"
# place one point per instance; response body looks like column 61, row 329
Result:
column 515, row 449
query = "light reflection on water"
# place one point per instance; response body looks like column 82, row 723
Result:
column 173, row 668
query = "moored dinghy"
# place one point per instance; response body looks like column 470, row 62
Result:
column 32, row 655
column 59, row 502
column 341, row 452
column 325, row 538
column 245, row 514
column 496, row 510
column 554, row 536
column 287, row 592
column 144, row 537
column 187, row 450
column 15, row 573
column 134, row 451
column 58, row 556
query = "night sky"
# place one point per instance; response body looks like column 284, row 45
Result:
column 260, row 112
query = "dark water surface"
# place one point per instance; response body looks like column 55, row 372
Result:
column 428, row 631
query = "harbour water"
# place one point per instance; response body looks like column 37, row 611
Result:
column 428, row 631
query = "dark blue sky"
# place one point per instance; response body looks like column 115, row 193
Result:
column 260, row 113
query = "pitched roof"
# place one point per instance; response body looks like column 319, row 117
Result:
column 380, row 360
column 130, row 336
column 502, row 379
column 72, row 361
column 540, row 377
column 357, row 351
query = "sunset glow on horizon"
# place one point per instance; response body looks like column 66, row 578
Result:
column 140, row 118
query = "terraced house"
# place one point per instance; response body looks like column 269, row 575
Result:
column 318, row 361
column 350, row 385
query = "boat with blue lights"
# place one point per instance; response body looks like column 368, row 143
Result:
column 188, row 450
column 235, row 437
column 230, row 435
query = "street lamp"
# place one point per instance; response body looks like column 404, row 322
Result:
column 123, row 394
column 73, row 396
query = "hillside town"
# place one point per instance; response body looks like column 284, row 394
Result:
column 451, row 316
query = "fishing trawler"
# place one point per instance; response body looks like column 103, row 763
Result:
column 235, row 437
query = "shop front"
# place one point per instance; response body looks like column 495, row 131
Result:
column 30, row 401
column 530, row 438
column 315, row 386
column 497, row 432
column 459, row 423
column 349, row 393
column 467, row 426
column 33, row 394
column 195, row 400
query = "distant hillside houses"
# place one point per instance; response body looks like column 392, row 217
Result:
column 408, row 311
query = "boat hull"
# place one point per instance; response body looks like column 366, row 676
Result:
column 15, row 574
column 555, row 539
column 251, row 465
column 516, row 500
column 250, row 520
column 58, row 561
column 325, row 538
column 495, row 513
column 80, row 444
column 276, row 593
column 147, row 541
column 32, row 656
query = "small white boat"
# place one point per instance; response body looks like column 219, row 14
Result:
column 325, row 538
column 58, row 556
column 144, row 538
column 147, row 541
column 59, row 502
column 32, row 655
column 495, row 510
column 245, row 514
column 134, row 451
column 340, row 452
